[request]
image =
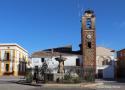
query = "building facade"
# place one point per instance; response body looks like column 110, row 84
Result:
column 49, row 56
column 105, row 63
column 121, row 63
column 105, row 60
column 13, row 59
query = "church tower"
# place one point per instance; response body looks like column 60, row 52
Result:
column 88, row 44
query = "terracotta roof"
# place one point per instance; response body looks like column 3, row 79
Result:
column 40, row 54
column 121, row 50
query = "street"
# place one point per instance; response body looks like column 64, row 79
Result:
column 111, row 85
column 10, row 84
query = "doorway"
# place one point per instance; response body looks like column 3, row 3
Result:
column 7, row 67
column 100, row 73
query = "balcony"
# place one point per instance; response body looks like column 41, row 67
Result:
column 5, row 60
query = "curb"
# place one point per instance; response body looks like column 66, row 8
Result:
column 93, row 85
column 85, row 85
column 30, row 84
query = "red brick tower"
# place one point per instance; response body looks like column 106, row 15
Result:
column 88, row 44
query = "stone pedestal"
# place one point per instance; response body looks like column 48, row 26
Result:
column 58, row 76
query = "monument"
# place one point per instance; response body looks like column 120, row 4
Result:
column 60, row 72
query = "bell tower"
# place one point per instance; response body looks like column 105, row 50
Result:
column 88, row 44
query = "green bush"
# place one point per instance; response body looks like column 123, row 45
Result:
column 70, row 79
column 76, row 80
column 67, row 77
column 29, row 77
column 89, row 77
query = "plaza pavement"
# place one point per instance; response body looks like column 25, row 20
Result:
column 10, row 83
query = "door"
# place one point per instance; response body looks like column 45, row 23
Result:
column 7, row 67
column 100, row 73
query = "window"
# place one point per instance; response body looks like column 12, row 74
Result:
column 103, row 62
column 22, row 66
column 88, row 23
column 121, row 54
column 118, row 54
column 89, row 44
column 7, row 56
column 7, row 67
column 42, row 59
column 19, row 67
column 77, row 62
column 107, row 62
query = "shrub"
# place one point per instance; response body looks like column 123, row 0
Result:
column 70, row 79
column 76, row 80
column 29, row 77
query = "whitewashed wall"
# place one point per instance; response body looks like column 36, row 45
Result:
column 108, row 70
column 36, row 62
column 53, row 64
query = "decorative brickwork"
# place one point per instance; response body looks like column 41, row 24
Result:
column 88, row 43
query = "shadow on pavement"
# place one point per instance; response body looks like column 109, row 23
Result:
column 121, row 80
column 47, row 88
column 23, row 82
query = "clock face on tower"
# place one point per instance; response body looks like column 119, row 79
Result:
column 89, row 36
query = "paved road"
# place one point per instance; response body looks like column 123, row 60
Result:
column 6, row 84
column 111, row 85
column 62, row 89
column 10, row 84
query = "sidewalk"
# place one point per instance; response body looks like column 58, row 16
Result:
column 21, row 80
column 11, row 78
column 85, row 85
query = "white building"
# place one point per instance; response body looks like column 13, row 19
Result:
column 104, row 60
column 38, row 58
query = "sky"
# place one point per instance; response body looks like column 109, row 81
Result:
column 42, row 24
